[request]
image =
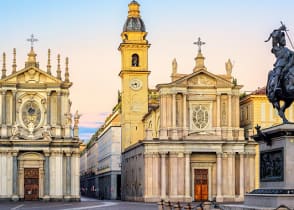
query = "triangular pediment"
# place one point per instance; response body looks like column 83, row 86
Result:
column 203, row 78
column 31, row 75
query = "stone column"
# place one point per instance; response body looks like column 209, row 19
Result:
column 230, row 110
column 163, row 127
column 173, row 169
column 47, row 176
column 48, row 108
column 15, row 195
column 230, row 131
column 163, row 174
column 242, row 189
column 174, row 117
column 231, row 174
column 185, row 132
column 68, row 174
column 13, row 107
column 252, row 170
column 4, row 107
column 155, row 175
column 219, row 197
column 237, row 115
column 218, row 110
column 58, row 108
column 187, row 175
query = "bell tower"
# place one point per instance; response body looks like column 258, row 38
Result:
column 134, row 76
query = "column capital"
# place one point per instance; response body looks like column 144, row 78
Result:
column 173, row 154
column 68, row 154
column 3, row 92
column 148, row 154
column 46, row 153
column 163, row 154
column 14, row 153
column 187, row 153
column 219, row 154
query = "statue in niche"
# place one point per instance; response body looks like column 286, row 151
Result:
column 224, row 114
column 280, row 83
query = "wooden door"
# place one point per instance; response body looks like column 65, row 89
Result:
column 201, row 184
column 31, row 184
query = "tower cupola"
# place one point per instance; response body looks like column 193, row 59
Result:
column 134, row 21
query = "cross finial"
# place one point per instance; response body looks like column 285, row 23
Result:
column 32, row 40
column 199, row 43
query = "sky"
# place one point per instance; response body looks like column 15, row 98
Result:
column 88, row 32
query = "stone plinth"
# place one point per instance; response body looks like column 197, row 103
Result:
column 276, row 168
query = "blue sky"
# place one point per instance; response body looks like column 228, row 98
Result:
column 88, row 32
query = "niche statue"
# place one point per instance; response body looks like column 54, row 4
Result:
column 280, row 83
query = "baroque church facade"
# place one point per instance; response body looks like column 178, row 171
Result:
column 39, row 144
column 181, row 141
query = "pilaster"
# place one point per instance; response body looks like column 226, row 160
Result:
column 163, row 174
column 15, row 194
column 219, row 196
column 187, row 175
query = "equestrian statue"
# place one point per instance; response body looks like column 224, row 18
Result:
column 280, row 83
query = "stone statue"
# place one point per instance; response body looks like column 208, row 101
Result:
column 175, row 66
column 15, row 132
column 280, row 83
column 47, row 133
column 229, row 67
column 77, row 118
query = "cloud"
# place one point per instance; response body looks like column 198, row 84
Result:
column 89, row 123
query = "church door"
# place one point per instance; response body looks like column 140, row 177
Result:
column 201, row 184
column 31, row 184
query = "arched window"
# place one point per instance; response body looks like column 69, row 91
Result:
column 135, row 60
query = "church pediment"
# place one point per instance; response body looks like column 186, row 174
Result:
column 31, row 75
column 203, row 78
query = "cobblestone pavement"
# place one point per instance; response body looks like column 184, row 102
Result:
column 86, row 203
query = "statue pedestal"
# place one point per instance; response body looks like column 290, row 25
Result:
column 276, row 168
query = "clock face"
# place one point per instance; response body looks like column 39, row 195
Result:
column 136, row 84
column 31, row 114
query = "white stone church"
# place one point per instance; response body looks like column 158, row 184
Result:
column 39, row 144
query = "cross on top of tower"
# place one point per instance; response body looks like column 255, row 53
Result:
column 32, row 40
column 199, row 43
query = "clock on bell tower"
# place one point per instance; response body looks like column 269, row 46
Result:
column 134, row 76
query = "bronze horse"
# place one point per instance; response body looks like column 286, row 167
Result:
column 280, row 83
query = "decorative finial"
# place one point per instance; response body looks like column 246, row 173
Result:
column 134, row 9
column 14, row 61
column 229, row 67
column 4, row 66
column 199, row 43
column 32, row 39
column 58, row 67
column 175, row 66
column 199, row 58
column 66, row 75
column 49, row 65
